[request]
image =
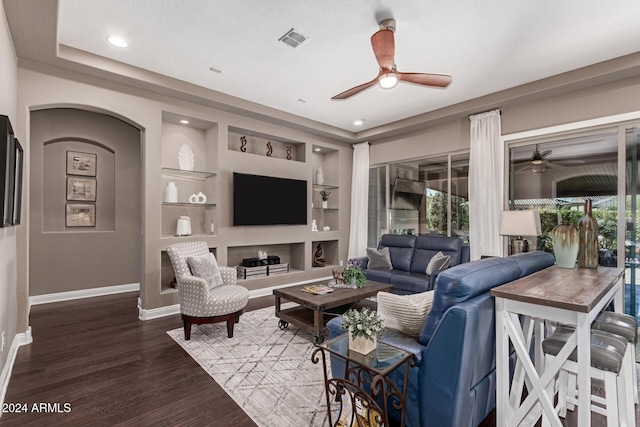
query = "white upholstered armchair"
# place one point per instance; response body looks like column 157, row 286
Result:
column 208, row 293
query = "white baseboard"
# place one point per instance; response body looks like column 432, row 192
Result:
column 83, row 293
column 18, row 341
column 154, row 313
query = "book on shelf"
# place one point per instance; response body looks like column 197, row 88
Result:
column 317, row 289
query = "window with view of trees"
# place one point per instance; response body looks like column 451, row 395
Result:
column 443, row 207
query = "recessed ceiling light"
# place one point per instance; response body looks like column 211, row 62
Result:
column 358, row 122
column 117, row 41
column 184, row 122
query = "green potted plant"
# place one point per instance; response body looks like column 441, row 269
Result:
column 353, row 274
column 364, row 327
column 324, row 195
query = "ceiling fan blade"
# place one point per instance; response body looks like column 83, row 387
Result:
column 545, row 153
column 384, row 48
column 354, row 90
column 437, row 80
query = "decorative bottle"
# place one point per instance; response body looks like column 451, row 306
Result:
column 588, row 237
column 566, row 244
column 171, row 193
column 320, row 176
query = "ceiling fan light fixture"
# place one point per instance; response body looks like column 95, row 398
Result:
column 388, row 80
column 536, row 161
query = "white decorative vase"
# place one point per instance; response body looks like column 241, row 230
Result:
column 319, row 176
column 171, row 193
column 325, row 204
column 361, row 345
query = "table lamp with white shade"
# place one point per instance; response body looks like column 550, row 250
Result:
column 518, row 224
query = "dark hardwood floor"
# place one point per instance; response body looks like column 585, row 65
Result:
column 112, row 369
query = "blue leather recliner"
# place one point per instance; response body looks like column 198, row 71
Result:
column 410, row 256
column 454, row 381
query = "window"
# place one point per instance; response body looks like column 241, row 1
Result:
column 425, row 196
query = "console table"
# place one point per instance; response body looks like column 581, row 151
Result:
column 569, row 296
column 357, row 406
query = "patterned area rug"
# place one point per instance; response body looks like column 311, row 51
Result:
column 267, row 372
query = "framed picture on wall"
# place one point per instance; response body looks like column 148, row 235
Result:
column 80, row 215
column 81, row 189
column 17, row 188
column 81, row 163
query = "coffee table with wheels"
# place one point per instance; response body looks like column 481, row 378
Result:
column 314, row 311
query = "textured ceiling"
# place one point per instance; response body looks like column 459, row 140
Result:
column 486, row 46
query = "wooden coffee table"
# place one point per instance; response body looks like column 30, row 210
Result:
column 314, row 311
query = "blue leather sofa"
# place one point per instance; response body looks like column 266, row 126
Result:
column 410, row 256
column 454, row 380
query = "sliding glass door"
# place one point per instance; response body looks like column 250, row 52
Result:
column 424, row 196
column 631, row 241
column 556, row 175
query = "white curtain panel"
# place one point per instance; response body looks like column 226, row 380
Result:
column 486, row 182
column 359, row 201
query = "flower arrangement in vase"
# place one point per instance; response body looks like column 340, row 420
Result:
column 353, row 273
column 364, row 327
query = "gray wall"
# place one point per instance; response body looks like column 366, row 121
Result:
column 72, row 258
column 8, row 281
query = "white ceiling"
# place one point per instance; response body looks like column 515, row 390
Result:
column 487, row 46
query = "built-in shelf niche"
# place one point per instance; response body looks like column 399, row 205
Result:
column 330, row 252
column 250, row 142
column 290, row 253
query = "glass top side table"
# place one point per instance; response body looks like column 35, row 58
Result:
column 361, row 397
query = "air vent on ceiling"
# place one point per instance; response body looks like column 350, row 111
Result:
column 293, row 38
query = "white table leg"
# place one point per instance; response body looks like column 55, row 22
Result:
column 583, row 332
column 502, row 367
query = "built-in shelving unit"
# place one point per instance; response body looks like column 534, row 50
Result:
column 189, row 183
column 251, row 142
column 219, row 151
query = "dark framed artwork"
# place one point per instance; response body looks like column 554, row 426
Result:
column 7, row 171
column 80, row 215
column 17, row 188
column 83, row 164
column 81, row 189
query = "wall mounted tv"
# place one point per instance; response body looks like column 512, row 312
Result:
column 267, row 200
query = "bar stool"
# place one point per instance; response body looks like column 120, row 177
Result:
column 627, row 327
column 607, row 355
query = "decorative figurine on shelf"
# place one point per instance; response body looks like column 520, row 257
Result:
column 199, row 198
column 243, row 144
column 262, row 255
column 288, row 152
column 314, row 225
column 318, row 257
column 326, row 228
column 186, row 160
column 269, row 149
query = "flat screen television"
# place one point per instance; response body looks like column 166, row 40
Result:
column 268, row 200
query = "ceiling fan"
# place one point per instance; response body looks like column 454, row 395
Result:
column 538, row 162
column 384, row 49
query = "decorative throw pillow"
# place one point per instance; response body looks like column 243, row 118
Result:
column 206, row 267
column 404, row 313
column 438, row 262
column 379, row 259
